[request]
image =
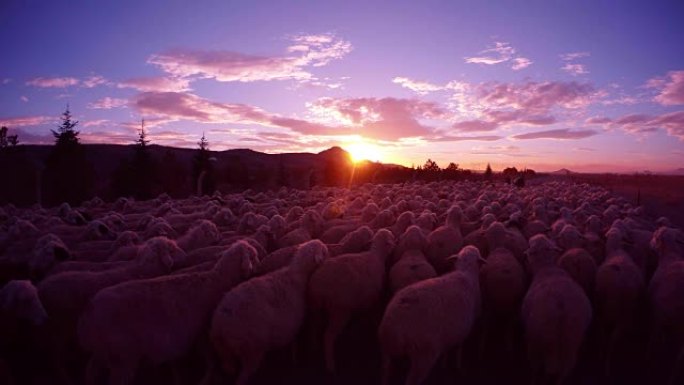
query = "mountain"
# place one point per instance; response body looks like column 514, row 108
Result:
column 562, row 171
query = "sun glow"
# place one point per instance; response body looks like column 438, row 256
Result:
column 360, row 151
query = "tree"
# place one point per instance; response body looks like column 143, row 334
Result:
column 488, row 172
column 7, row 140
column 68, row 175
column 65, row 134
column 202, row 167
column 143, row 168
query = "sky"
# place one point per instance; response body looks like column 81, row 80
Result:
column 593, row 86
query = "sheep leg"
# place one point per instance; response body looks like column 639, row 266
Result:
column 421, row 364
column 250, row 363
column 677, row 368
column 386, row 369
column 336, row 323
column 123, row 373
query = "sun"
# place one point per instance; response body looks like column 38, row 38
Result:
column 360, row 151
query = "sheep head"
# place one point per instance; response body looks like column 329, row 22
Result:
column 309, row 255
column 241, row 256
column 468, row 259
column 541, row 253
column 454, row 216
column 666, row 238
column 48, row 251
column 383, row 242
column 162, row 250
column 20, row 298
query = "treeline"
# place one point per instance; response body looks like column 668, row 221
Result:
column 71, row 172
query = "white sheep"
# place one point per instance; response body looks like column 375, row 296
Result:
column 426, row 319
column 347, row 284
column 666, row 292
column 619, row 290
column 445, row 240
column 555, row 314
column 264, row 313
column 354, row 242
column 582, row 268
column 164, row 316
column 412, row 265
column 201, row 234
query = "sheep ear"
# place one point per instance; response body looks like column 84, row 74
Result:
column 482, row 260
column 247, row 266
column 452, row 258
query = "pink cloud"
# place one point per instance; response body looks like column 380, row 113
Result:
column 157, row 84
column 227, row 66
column 521, row 63
column 62, row 82
column 26, row 121
column 501, row 52
column 94, row 81
column 671, row 88
column 575, row 69
column 107, row 103
column 573, row 56
column 475, row 125
column 417, row 86
column 535, row 97
column 598, row 120
column 459, row 138
column 24, row 98
column 564, row 133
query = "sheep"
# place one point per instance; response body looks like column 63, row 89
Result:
column 21, row 312
column 412, row 265
column 426, row 319
column 164, row 316
column 354, row 242
column 309, row 228
column 264, row 313
column 201, row 234
column 503, row 283
column 65, row 295
column 582, row 268
column 666, row 293
column 276, row 260
column 347, row 284
column 555, row 314
column 619, row 289
column 446, row 240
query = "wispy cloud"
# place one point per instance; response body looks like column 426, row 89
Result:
column 156, row 84
column 94, row 81
column 672, row 122
column 228, row 66
column 24, row 98
column 670, row 88
column 58, row 82
column 571, row 56
column 419, row 87
column 563, row 133
column 575, row 69
column 501, row 52
column 107, row 103
column 26, row 121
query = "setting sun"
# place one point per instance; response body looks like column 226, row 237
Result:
column 363, row 151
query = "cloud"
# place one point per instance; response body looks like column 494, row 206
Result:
column 95, row 123
column 378, row 118
column 672, row 123
column 228, row 66
column 521, row 63
column 585, row 149
column 670, row 87
column 501, row 52
column 534, row 98
column 26, row 121
column 598, row 120
column 573, row 56
column 475, row 125
column 107, row 103
column 575, row 69
column 94, row 81
column 156, row 84
column 417, row 86
column 62, row 82
column 24, row 98
column 459, row 138
column 564, row 133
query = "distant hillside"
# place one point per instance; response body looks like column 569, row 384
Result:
column 562, row 171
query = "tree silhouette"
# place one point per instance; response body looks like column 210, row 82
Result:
column 143, row 168
column 7, row 140
column 202, row 167
column 68, row 176
column 488, row 172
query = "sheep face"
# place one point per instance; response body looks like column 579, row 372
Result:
column 163, row 250
column 666, row 237
column 49, row 250
column 309, row 255
column 242, row 253
column 383, row 242
column 97, row 230
column 20, row 298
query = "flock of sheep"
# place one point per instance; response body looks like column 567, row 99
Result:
column 450, row 277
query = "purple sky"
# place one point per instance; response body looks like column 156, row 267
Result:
column 586, row 85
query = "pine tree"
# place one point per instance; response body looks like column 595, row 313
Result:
column 66, row 135
column 488, row 172
column 202, row 168
column 68, row 175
